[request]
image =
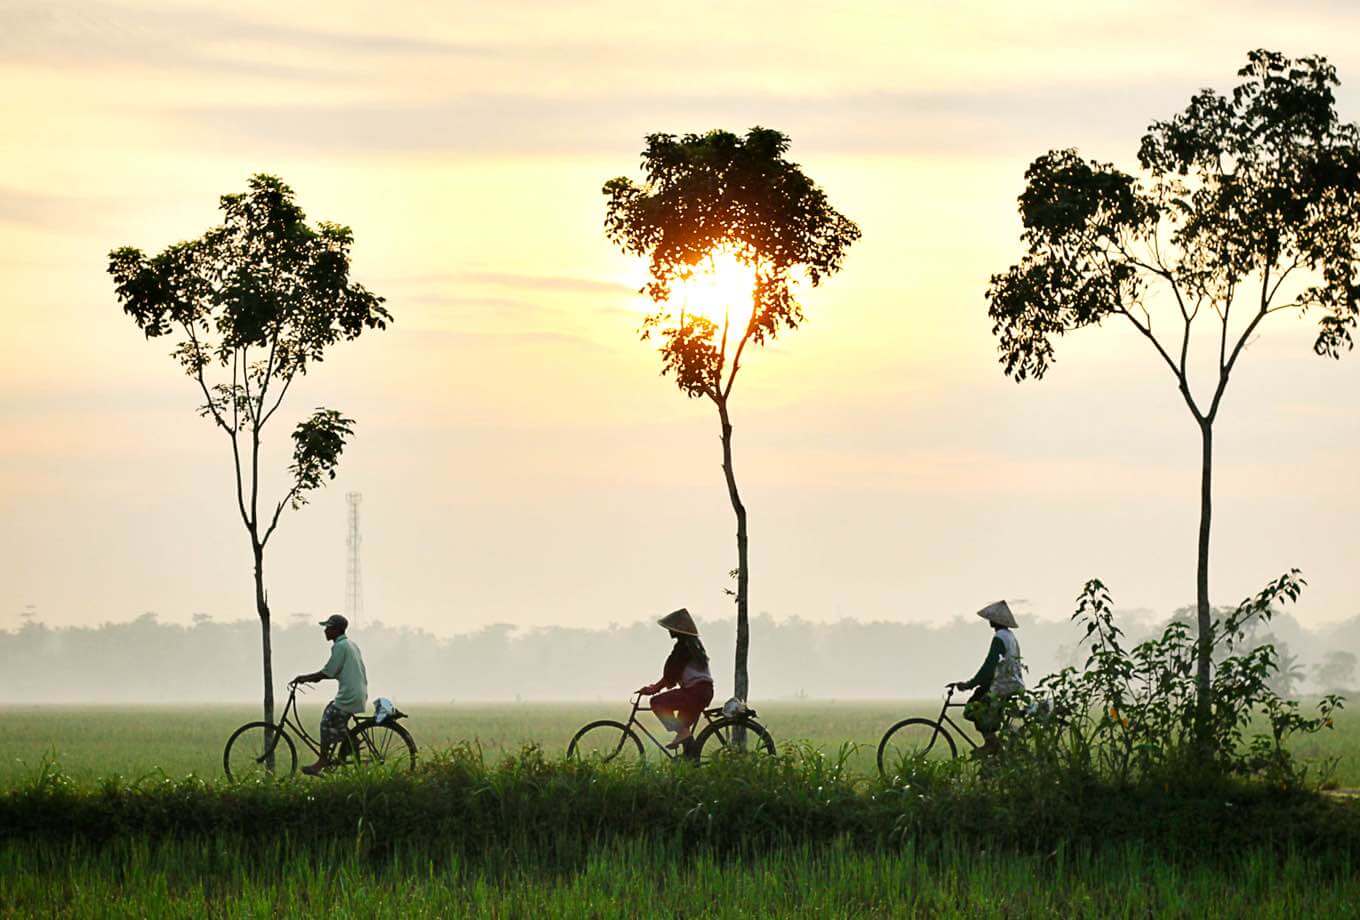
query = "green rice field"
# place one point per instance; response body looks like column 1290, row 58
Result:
column 91, row 742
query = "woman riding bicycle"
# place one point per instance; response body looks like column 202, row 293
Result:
column 687, row 670
column 1000, row 676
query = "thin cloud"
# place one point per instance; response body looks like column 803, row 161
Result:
column 917, row 122
column 514, row 280
column 172, row 38
column 494, row 339
column 46, row 211
column 547, row 283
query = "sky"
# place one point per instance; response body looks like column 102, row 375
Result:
column 520, row 458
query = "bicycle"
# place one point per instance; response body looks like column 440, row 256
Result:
column 606, row 740
column 259, row 749
column 917, row 738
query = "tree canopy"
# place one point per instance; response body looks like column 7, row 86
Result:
column 260, row 297
column 1258, row 186
column 717, row 192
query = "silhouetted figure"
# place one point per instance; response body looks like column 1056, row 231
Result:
column 346, row 665
column 687, row 670
column 1000, row 676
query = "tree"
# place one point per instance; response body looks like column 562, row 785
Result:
column 254, row 303
column 1246, row 202
column 717, row 193
column 1288, row 672
column 1337, row 670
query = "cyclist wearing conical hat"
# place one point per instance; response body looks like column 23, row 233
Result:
column 1000, row 676
column 687, row 671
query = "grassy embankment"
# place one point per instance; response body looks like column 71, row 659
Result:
column 532, row 834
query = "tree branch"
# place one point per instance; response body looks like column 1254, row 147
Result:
column 221, row 422
column 253, row 525
column 1181, row 381
column 268, row 374
column 198, row 375
column 288, row 381
column 1262, row 312
column 1279, row 281
column 736, row 363
column 277, row 511
column 722, row 354
column 1224, row 316
column 235, row 403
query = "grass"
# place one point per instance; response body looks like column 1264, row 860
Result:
column 508, row 833
column 649, row 878
column 92, row 742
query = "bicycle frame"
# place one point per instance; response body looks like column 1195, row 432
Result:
column 635, row 722
column 295, row 723
column 943, row 719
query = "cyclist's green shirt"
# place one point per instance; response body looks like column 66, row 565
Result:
column 983, row 678
column 347, row 666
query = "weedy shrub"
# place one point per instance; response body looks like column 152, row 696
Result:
column 1130, row 713
column 458, row 806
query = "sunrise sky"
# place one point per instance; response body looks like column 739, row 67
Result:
column 520, row 458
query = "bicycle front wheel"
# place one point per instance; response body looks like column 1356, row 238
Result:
column 723, row 737
column 913, row 740
column 606, row 741
column 248, row 757
column 386, row 744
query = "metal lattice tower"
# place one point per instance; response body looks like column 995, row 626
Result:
column 354, row 582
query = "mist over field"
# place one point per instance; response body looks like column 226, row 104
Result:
column 149, row 661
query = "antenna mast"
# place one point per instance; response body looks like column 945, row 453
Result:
column 354, row 584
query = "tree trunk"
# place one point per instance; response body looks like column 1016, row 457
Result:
column 740, row 681
column 267, row 655
column 1204, row 701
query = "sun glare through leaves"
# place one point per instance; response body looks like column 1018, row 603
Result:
column 719, row 288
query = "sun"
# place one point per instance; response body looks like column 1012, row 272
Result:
column 721, row 288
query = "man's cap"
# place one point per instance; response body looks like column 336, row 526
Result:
column 679, row 621
column 336, row 619
column 999, row 614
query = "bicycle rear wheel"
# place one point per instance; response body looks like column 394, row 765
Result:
column 385, row 744
column 606, row 741
column 719, row 738
column 246, row 756
column 913, row 740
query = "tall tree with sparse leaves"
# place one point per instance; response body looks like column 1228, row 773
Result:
column 253, row 304
column 720, row 193
column 1247, row 205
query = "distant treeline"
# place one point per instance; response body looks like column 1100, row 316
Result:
column 147, row 660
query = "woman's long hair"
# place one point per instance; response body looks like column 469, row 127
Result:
column 691, row 648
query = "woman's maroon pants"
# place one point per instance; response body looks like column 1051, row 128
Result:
column 681, row 708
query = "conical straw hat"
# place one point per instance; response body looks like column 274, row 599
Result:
column 680, row 621
column 1000, row 614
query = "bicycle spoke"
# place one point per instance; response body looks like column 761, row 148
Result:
column 375, row 744
column 721, row 738
column 257, row 750
column 606, row 742
column 913, row 741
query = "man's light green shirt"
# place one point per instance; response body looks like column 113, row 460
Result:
column 347, row 666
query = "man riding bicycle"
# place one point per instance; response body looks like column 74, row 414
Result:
column 346, row 665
